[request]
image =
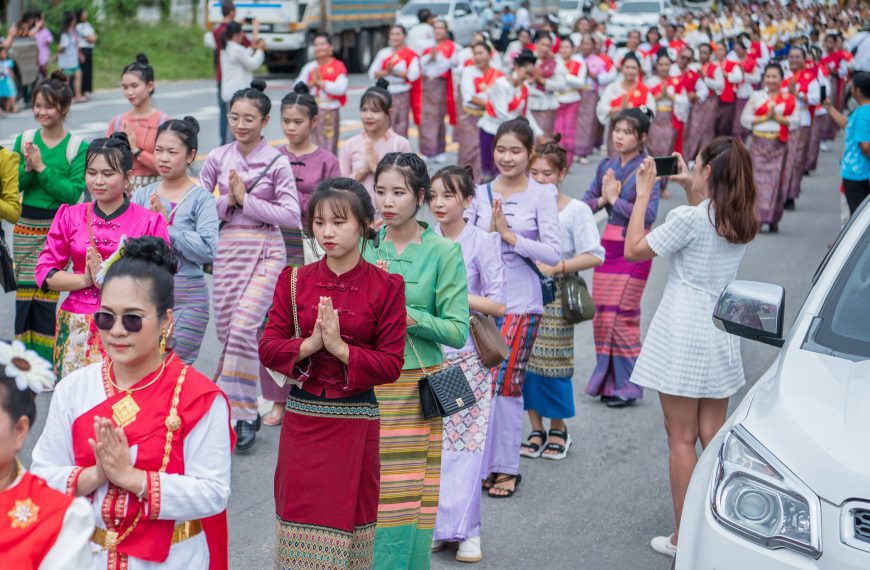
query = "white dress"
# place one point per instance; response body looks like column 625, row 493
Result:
column 684, row 354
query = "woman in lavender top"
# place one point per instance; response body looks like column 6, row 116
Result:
column 464, row 436
column 257, row 197
column 523, row 214
column 618, row 284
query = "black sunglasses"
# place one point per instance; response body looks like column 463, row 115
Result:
column 131, row 323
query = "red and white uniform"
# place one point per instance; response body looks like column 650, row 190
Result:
column 807, row 88
column 404, row 61
column 646, row 65
column 574, row 73
column 476, row 83
column 333, row 73
column 543, row 96
column 733, row 74
column 609, row 75
column 612, row 98
column 504, row 103
column 751, row 70
column 758, row 106
column 713, row 76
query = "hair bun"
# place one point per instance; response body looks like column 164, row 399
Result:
column 301, row 88
column 141, row 58
column 153, row 250
column 192, row 123
column 557, row 138
column 258, row 85
column 59, row 76
column 382, row 83
column 122, row 137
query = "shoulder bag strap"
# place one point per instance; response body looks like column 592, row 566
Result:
column 293, row 273
column 90, row 228
column 171, row 215
column 416, row 354
column 263, row 173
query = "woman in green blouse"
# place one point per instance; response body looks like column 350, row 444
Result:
column 437, row 304
column 51, row 172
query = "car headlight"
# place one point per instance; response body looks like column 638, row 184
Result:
column 755, row 496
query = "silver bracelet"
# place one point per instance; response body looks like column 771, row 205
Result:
column 141, row 494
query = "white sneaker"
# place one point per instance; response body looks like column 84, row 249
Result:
column 438, row 545
column 824, row 146
column 663, row 545
column 469, row 550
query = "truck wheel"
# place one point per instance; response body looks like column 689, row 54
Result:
column 362, row 53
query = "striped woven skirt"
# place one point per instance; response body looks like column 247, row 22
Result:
column 190, row 316
column 617, row 288
column 724, row 125
column 794, row 161
column 326, row 482
column 502, row 453
column 328, row 129
column 545, row 120
column 587, row 124
column 433, row 129
column 701, row 128
column 566, row 124
column 35, row 309
column 739, row 130
column 246, row 268
column 78, row 343
column 814, row 143
column 548, row 388
column 662, row 134
column 462, row 447
column 466, row 134
column 293, row 244
column 400, row 112
column 768, row 162
column 410, row 451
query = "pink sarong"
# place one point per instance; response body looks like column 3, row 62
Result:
column 768, row 161
column 587, row 125
column 545, row 120
column 399, row 113
column 433, row 131
column 701, row 127
column 566, row 125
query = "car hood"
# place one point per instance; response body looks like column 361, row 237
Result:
column 816, row 419
column 633, row 19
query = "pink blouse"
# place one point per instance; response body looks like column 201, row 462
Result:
column 352, row 155
column 69, row 237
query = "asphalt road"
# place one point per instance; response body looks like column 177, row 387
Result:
column 599, row 507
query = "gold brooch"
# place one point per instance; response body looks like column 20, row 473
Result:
column 173, row 422
column 23, row 514
column 124, row 411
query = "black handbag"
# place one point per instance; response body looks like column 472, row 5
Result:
column 442, row 393
column 7, row 269
column 548, row 285
column 577, row 304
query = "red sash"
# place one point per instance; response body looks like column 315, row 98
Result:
column 677, row 45
column 790, row 105
column 802, row 81
column 31, row 517
column 484, row 82
column 408, row 55
column 755, row 51
column 728, row 94
column 548, row 68
column 709, row 70
column 749, row 64
column 574, row 67
column 331, row 71
column 151, row 539
column 447, row 49
column 519, row 101
column 608, row 63
column 636, row 98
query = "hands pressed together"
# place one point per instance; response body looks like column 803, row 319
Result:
column 112, row 454
column 327, row 332
column 236, row 195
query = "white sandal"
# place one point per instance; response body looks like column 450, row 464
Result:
column 533, row 450
column 560, row 449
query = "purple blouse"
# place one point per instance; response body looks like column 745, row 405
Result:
column 310, row 170
column 69, row 237
column 273, row 201
column 483, row 268
column 620, row 212
column 534, row 218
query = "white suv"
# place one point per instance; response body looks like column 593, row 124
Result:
column 786, row 482
column 638, row 15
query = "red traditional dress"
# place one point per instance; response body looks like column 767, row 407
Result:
column 177, row 424
column 43, row 529
column 752, row 71
column 474, row 83
column 701, row 127
column 663, row 132
column 330, row 99
column 733, row 75
column 611, row 100
column 406, row 91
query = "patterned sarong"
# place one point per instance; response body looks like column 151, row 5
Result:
column 410, row 451
column 739, row 130
column 724, row 119
column 293, row 244
column 190, row 316
column 399, row 112
column 78, row 343
column 815, row 142
column 768, row 162
column 326, row 132
column 246, row 268
column 617, row 288
column 466, row 134
column 462, row 445
column 35, row 309
column 587, row 125
column 662, row 134
column 433, row 130
column 326, row 483
column 545, row 120
column 566, row 124
column 794, row 163
column 701, row 128
column 520, row 332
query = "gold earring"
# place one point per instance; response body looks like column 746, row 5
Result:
column 163, row 343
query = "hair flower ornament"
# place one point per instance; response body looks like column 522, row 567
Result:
column 30, row 371
column 107, row 263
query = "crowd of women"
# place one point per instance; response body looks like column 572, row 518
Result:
column 335, row 303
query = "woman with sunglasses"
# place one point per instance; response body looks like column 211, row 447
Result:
column 166, row 506
column 81, row 237
column 257, row 198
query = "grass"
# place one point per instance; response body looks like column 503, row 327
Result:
column 175, row 51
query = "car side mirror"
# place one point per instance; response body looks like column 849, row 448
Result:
column 459, row 13
column 753, row 310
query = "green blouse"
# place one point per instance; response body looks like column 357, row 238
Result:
column 60, row 182
column 436, row 293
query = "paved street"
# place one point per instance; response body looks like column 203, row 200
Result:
column 598, row 508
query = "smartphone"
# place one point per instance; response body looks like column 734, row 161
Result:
column 665, row 165
column 823, row 92
column 249, row 20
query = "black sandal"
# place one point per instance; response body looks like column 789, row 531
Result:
column 561, row 450
column 508, row 493
column 487, row 483
column 533, row 450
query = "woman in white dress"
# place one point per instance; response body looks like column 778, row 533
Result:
column 694, row 366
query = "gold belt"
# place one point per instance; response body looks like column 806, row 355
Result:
column 181, row 532
column 765, row 135
column 473, row 112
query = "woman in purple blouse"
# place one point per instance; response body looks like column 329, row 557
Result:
column 618, row 284
column 464, row 436
column 257, row 197
column 523, row 214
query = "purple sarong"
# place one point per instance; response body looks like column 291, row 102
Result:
column 587, row 125
column 768, row 162
column 433, row 131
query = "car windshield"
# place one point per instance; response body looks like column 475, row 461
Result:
column 639, row 8
column 437, row 9
column 569, row 5
column 845, row 315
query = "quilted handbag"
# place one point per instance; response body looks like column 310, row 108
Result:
column 443, row 393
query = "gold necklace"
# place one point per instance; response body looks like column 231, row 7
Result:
column 124, row 410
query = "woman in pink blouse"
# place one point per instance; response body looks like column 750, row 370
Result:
column 141, row 122
column 257, row 197
column 86, row 234
column 361, row 153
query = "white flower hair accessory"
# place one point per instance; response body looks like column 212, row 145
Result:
column 107, row 263
column 29, row 370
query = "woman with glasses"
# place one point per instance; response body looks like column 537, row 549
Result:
column 80, row 238
column 165, row 504
column 257, row 198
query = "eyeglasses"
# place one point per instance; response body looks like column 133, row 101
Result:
column 131, row 323
column 246, row 120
